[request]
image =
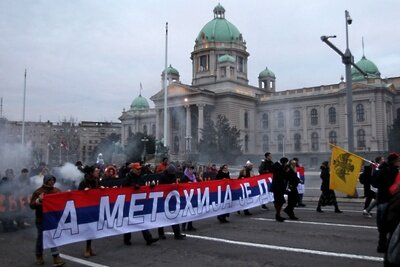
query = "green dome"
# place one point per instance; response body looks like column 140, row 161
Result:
column 140, row 103
column 226, row 58
column 171, row 71
column 219, row 29
column 368, row 67
column 266, row 73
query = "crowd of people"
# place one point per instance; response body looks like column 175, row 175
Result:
column 381, row 181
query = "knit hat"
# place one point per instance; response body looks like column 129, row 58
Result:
column 171, row 169
column 248, row 163
column 47, row 178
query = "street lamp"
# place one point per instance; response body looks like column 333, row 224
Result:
column 348, row 61
column 144, row 140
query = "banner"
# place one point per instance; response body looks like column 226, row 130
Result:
column 344, row 170
column 300, row 174
column 81, row 215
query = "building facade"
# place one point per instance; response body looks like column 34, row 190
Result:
column 298, row 122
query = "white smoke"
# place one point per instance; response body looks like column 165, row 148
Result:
column 68, row 172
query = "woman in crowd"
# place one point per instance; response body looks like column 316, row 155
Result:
column 223, row 173
column 328, row 196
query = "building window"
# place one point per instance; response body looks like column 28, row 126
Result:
column 204, row 63
column 333, row 137
column 222, row 72
column 265, row 121
column 281, row 120
column 145, row 129
column 360, row 113
column 281, row 140
column 246, row 120
column 246, row 143
column 332, row 115
column 314, row 141
column 240, row 64
column 265, row 142
column 296, row 118
column 297, row 142
column 314, row 117
column 361, row 139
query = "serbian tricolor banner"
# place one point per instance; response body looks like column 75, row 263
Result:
column 300, row 174
column 82, row 215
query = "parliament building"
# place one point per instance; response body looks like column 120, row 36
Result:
column 298, row 122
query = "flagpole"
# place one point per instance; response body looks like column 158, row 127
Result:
column 165, row 88
column 364, row 159
column 23, row 113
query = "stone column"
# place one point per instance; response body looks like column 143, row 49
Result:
column 188, row 127
column 158, row 125
column 201, row 121
column 323, row 134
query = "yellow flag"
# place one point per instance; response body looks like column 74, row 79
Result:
column 344, row 170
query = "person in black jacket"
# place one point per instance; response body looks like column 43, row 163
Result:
column 223, row 173
column 134, row 179
column 264, row 168
column 386, row 176
column 328, row 196
column 169, row 177
column 293, row 195
column 278, row 186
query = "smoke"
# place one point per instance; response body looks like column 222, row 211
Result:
column 69, row 176
column 15, row 156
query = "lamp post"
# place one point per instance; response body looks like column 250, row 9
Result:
column 348, row 61
column 144, row 140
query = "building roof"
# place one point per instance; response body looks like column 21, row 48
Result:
column 266, row 73
column 368, row 67
column 219, row 29
column 140, row 103
column 171, row 71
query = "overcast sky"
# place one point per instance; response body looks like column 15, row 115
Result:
column 86, row 59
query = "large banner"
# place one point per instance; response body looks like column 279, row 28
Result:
column 81, row 215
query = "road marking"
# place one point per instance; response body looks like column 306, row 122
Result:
column 290, row 249
column 347, row 211
column 321, row 223
column 83, row 262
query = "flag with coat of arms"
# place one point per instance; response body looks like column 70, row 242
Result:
column 345, row 169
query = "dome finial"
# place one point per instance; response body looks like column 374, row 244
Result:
column 219, row 11
column 140, row 90
column 362, row 40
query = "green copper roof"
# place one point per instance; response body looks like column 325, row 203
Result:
column 171, row 70
column 226, row 58
column 266, row 73
column 219, row 29
column 140, row 103
column 368, row 67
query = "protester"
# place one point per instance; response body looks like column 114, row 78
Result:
column 7, row 188
column 90, row 181
column 373, row 186
column 36, row 204
column 189, row 176
column 328, row 196
column 278, row 186
column 169, row 177
column 300, row 187
column 223, row 173
column 246, row 171
column 293, row 196
column 134, row 179
column 386, row 176
column 266, row 167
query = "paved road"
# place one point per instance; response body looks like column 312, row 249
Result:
column 318, row 239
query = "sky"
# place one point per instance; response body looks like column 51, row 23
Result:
column 85, row 60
